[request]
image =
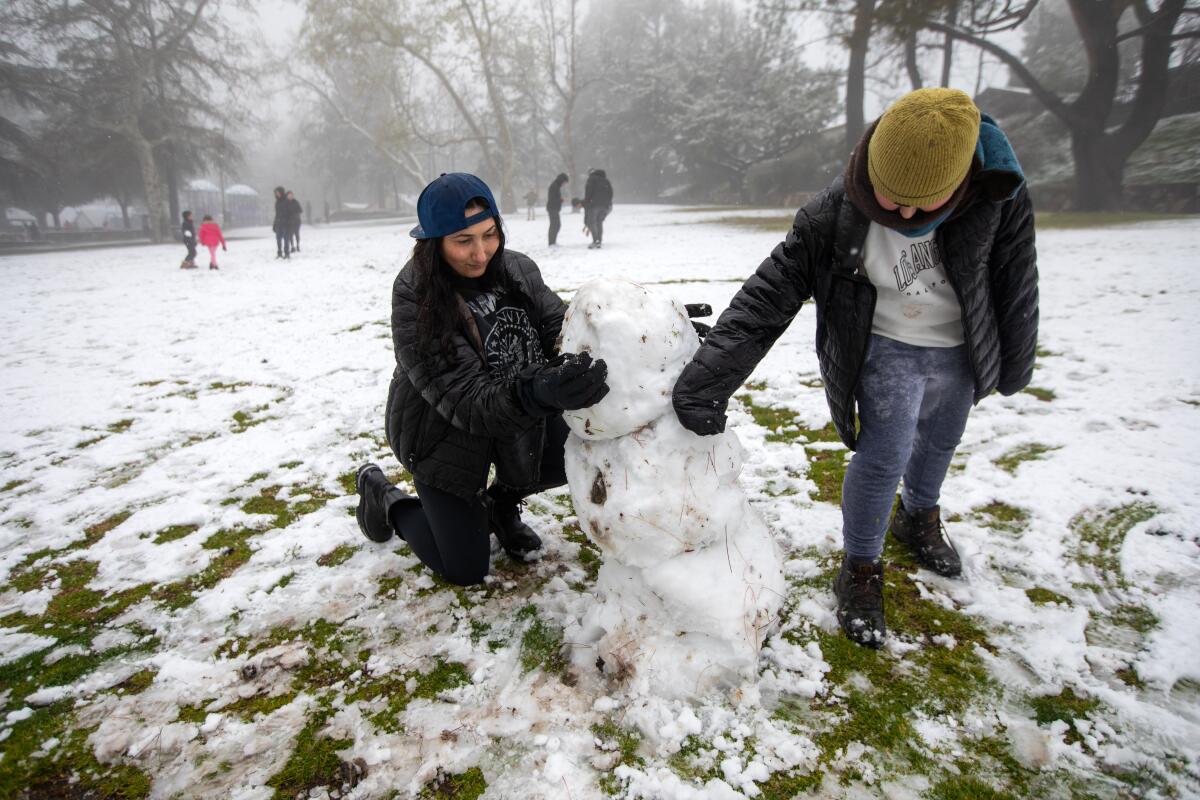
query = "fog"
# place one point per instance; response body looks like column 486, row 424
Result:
column 355, row 106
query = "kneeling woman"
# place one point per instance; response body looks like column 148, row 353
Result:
column 476, row 385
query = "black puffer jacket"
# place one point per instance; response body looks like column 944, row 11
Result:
column 988, row 252
column 447, row 423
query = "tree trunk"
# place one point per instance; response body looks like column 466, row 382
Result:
column 152, row 185
column 910, row 60
column 948, row 46
column 172, row 183
column 856, row 76
column 1098, row 174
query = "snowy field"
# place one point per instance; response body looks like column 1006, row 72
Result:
column 187, row 608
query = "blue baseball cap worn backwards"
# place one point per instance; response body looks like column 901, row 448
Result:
column 442, row 203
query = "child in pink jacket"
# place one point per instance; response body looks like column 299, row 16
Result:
column 210, row 237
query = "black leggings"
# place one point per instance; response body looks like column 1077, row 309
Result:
column 451, row 534
column 555, row 224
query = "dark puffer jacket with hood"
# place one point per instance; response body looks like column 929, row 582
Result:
column 990, row 260
column 448, row 420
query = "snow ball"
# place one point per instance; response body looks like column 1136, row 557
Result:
column 605, row 704
column 945, row 640
column 645, row 338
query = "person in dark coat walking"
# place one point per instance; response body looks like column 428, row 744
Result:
column 597, row 203
column 188, row 230
column 477, row 384
column 921, row 261
column 281, row 225
column 294, row 211
column 554, row 204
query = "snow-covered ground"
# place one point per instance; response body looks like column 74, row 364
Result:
column 188, row 609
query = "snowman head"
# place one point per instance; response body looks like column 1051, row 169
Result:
column 646, row 339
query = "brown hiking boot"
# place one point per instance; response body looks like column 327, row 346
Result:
column 923, row 533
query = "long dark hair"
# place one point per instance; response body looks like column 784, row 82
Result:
column 437, row 302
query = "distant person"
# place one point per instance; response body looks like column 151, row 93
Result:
column 294, row 211
column 188, row 230
column 597, row 203
column 554, row 204
column 283, row 240
column 920, row 258
column 210, row 237
column 530, row 199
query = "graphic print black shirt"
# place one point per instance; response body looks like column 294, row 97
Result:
column 510, row 342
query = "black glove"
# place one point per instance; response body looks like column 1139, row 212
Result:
column 569, row 381
column 699, row 310
column 700, row 421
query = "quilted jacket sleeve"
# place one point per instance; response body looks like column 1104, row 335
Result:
column 1013, row 268
column 758, row 314
column 463, row 392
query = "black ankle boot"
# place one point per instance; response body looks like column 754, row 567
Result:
column 859, row 591
column 923, row 533
column 376, row 496
column 504, row 517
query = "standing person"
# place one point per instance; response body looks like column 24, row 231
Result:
column 294, row 211
column 188, row 229
column 597, row 203
column 554, row 204
column 922, row 264
column 530, row 199
column 283, row 241
column 476, row 384
column 210, row 237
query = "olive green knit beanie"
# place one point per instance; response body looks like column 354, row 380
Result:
column 922, row 146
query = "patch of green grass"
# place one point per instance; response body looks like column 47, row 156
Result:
column 776, row 224
column 175, row 532
column 290, row 464
column 1135, row 617
column 612, row 737
column 1039, row 595
column 1022, row 453
column 388, row 584
column 120, row 426
column 282, row 582
column 826, row 466
column 590, row 557
column 13, row 484
column 250, row 708
column 314, row 761
column 268, row 502
column 348, row 481
column 194, row 714
column 244, row 420
column 1047, row 220
column 89, row 442
column 138, row 682
column 1101, row 533
column 68, row 770
column 94, row 533
column 235, row 551
column 220, row 386
column 1066, row 706
column 1003, row 517
column 1045, row 395
column 463, row 786
column 542, row 647
column 338, row 555
column 1129, row 677
column 879, row 692
column 961, row 787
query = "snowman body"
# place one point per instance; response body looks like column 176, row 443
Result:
column 692, row 580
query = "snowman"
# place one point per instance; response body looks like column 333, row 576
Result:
column 692, row 580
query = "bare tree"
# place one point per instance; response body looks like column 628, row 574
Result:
column 1100, row 150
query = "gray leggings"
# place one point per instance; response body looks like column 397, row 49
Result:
column 913, row 404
